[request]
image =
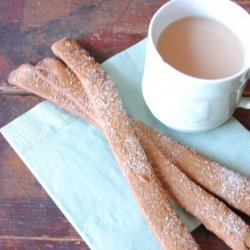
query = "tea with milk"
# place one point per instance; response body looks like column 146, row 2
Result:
column 201, row 47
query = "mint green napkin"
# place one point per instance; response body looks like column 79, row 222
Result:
column 74, row 164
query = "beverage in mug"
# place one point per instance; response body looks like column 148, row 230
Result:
column 197, row 63
column 201, row 47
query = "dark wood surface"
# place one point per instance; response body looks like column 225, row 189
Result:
column 29, row 219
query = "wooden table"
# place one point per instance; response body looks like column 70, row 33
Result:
column 29, row 219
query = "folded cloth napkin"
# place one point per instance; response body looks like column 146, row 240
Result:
column 73, row 161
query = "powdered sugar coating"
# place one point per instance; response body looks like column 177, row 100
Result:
column 25, row 77
column 133, row 161
column 62, row 78
column 230, row 186
column 232, row 226
column 214, row 214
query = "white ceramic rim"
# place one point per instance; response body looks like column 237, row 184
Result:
column 245, row 71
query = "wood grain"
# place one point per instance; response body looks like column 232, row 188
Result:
column 29, row 219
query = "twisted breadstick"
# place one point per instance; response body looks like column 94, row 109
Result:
column 213, row 214
column 25, row 77
column 210, row 211
column 230, row 186
column 238, row 229
column 148, row 191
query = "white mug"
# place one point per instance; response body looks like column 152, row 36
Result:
column 187, row 103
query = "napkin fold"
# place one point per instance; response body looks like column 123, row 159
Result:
column 73, row 161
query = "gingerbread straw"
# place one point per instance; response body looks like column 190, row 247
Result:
column 212, row 213
column 148, row 191
column 230, row 186
column 218, row 218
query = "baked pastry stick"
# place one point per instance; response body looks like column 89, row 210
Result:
column 230, row 186
column 25, row 77
column 148, row 191
column 49, row 68
column 214, row 214
column 233, row 188
column 210, row 211
column 63, row 79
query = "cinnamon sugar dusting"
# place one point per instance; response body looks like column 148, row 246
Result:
column 135, row 159
column 212, row 213
column 63, row 79
column 106, row 100
column 228, row 185
column 234, row 184
column 58, row 83
column 125, row 145
column 26, row 78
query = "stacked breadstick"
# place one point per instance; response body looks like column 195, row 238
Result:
column 156, row 167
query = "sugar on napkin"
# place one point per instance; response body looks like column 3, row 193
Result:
column 73, row 162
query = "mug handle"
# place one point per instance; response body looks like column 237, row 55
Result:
column 244, row 103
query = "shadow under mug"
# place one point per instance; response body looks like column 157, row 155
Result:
column 183, row 102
